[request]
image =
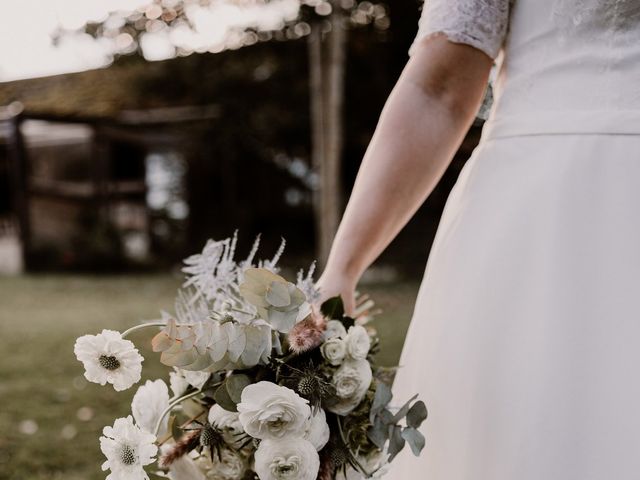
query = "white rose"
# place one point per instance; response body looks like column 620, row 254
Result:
column 334, row 350
column 335, row 328
column 351, row 381
column 358, row 342
column 287, row 459
column 229, row 466
column 149, row 402
column 268, row 410
column 317, row 431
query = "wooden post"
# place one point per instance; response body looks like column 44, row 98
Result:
column 20, row 181
column 327, row 55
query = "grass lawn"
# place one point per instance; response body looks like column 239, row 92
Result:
column 50, row 417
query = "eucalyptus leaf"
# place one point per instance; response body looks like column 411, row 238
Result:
column 175, row 357
column 400, row 414
column 278, row 294
column 378, row 433
column 223, row 399
column 333, row 308
column 415, row 439
column 235, row 384
column 237, row 340
column 417, row 414
column 201, row 362
column 387, row 417
column 283, row 321
column 396, row 441
column 219, row 342
column 161, row 342
column 258, row 341
column 381, row 399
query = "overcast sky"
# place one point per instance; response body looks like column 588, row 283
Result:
column 26, row 49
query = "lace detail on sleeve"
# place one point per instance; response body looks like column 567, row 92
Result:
column 479, row 23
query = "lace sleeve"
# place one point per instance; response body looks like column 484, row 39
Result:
column 479, row 23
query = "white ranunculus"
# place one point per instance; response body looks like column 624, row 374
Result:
column 334, row 350
column 128, row 449
column 317, row 430
column 268, row 410
column 109, row 358
column 351, row 381
column 358, row 342
column 148, row 404
column 335, row 328
column 289, row 458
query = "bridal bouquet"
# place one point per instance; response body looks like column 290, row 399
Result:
column 263, row 384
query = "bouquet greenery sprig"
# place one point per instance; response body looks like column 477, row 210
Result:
column 264, row 384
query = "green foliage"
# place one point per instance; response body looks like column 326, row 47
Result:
column 333, row 308
column 385, row 426
column 277, row 300
column 417, row 414
column 228, row 394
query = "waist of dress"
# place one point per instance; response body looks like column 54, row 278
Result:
column 609, row 122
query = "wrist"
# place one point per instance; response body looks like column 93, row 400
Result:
column 343, row 272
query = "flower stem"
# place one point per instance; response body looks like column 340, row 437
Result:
column 170, row 407
column 128, row 332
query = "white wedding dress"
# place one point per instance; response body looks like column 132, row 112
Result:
column 525, row 341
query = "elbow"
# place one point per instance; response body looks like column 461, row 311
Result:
column 453, row 75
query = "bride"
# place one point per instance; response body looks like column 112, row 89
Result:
column 525, row 338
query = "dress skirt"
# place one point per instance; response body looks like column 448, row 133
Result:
column 525, row 340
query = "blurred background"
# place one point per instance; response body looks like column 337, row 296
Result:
column 133, row 130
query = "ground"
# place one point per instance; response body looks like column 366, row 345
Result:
column 50, row 417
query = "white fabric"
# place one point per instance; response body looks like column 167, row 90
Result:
column 479, row 23
column 526, row 333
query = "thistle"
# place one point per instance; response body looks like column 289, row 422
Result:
column 310, row 383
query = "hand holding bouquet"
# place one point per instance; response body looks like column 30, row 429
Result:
column 264, row 384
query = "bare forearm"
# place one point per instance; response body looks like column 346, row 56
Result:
column 419, row 131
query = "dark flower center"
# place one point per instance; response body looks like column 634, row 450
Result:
column 127, row 455
column 109, row 362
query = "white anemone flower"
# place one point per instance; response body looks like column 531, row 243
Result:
column 109, row 358
column 180, row 380
column 128, row 449
column 149, row 403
